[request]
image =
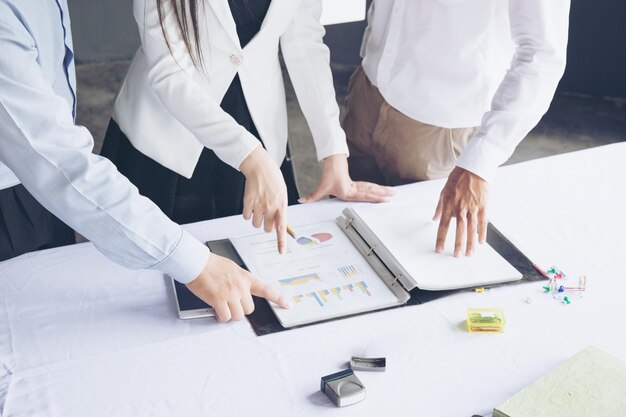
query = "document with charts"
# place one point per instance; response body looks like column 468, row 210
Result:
column 322, row 274
column 367, row 259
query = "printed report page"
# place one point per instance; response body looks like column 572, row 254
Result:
column 322, row 274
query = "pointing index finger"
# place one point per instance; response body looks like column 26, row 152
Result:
column 281, row 229
column 263, row 290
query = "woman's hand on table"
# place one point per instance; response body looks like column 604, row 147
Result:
column 265, row 196
column 336, row 182
column 229, row 289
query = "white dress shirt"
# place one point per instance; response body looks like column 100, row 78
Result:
column 464, row 63
column 41, row 147
column 170, row 109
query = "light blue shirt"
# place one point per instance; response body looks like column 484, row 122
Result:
column 41, row 147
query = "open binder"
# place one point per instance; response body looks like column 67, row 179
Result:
column 397, row 279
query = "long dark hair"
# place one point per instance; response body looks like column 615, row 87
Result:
column 185, row 12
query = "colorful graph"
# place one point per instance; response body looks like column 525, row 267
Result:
column 317, row 298
column 348, row 271
column 323, row 295
column 322, row 237
column 314, row 239
column 305, row 241
column 333, row 295
column 363, row 286
column 299, row 280
column 336, row 292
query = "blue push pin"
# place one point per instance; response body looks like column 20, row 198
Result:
column 561, row 289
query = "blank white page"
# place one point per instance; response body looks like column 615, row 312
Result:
column 409, row 233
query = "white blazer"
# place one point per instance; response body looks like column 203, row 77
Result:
column 170, row 110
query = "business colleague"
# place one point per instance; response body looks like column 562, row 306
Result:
column 450, row 88
column 46, row 164
column 200, row 124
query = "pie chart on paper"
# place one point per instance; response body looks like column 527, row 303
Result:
column 322, row 237
column 314, row 239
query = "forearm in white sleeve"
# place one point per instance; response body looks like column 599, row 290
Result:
column 539, row 29
column 308, row 61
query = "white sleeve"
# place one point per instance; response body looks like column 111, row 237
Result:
column 308, row 62
column 539, row 29
column 174, row 77
column 52, row 158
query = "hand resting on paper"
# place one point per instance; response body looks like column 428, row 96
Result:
column 464, row 197
column 229, row 289
column 265, row 196
column 336, row 181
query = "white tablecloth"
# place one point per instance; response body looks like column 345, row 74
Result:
column 80, row 336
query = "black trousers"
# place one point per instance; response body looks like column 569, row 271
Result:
column 26, row 226
column 214, row 190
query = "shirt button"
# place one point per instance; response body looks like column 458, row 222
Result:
column 236, row 59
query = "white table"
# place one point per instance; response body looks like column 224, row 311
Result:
column 80, row 336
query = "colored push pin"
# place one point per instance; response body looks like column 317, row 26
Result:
column 566, row 300
column 555, row 273
column 561, row 289
column 479, row 290
column 546, row 287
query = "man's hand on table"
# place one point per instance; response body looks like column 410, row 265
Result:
column 229, row 289
column 464, row 197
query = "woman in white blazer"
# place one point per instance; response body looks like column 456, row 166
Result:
column 204, row 103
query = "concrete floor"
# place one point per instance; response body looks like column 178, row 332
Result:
column 573, row 122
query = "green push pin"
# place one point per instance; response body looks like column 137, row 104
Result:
column 547, row 288
column 566, row 300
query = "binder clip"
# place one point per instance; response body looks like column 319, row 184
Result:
column 368, row 364
column 343, row 388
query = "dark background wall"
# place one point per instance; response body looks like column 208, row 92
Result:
column 597, row 48
column 105, row 30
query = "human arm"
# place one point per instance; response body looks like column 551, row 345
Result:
column 308, row 61
column 539, row 30
column 52, row 158
column 184, row 91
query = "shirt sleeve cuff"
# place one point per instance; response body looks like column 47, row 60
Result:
column 481, row 158
column 337, row 147
column 186, row 261
column 247, row 146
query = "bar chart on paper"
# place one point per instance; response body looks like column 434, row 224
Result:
column 348, row 271
column 322, row 274
column 334, row 295
column 299, row 280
